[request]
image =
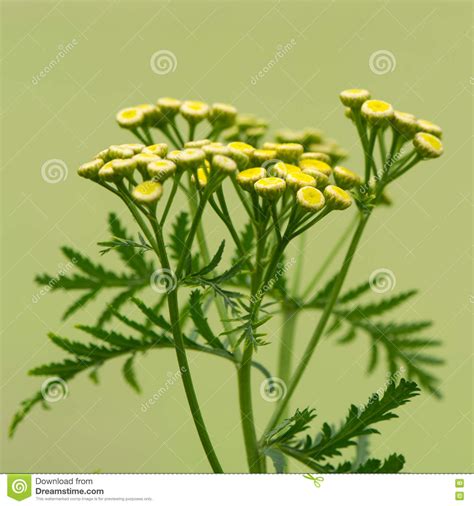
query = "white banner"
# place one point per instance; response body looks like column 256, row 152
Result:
column 239, row 489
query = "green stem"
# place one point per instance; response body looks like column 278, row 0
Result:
column 254, row 458
column 160, row 249
column 295, row 379
column 139, row 136
column 174, row 189
column 287, row 338
column 181, row 355
column 175, row 129
column 369, row 160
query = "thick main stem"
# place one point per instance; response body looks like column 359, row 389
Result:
column 254, row 459
column 322, row 322
column 173, row 308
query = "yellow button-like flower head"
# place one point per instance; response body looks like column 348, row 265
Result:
column 428, row 145
column 354, row 97
column 132, row 117
column 345, row 178
column 148, row 192
column 270, row 188
column 310, row 199
column 377, row 112
column 337, row 198
column 247, row 178
column 160, row 170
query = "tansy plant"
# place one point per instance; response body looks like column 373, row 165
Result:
column 284, row 189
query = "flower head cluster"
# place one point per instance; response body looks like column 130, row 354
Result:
column 315, row 144
column 375, row 120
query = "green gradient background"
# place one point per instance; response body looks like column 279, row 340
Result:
column 425, row 240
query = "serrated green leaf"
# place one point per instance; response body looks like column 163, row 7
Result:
column 129, row 374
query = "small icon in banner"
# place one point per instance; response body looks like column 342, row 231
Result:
column 317, row 480
column 19, row 486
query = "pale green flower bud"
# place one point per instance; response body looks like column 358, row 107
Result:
column 282, row 169
column 124, row 167
column 189, row 158
column 131, row 117
column 429, row 127
column 404, row 123
column 270, row 145
column 90, row 170
column 239, row 157
column 322, row 180
column 297, row 180
column 160, row 150
column 151, row 113
column 119, row 152
column 197, row 144
column 247, row 178
column 231, row 134
column 290, row 152
column 313, row 163
column 168, row 106
column 354, row 98
column 345, row 178
column 143, row 159
column 270, row 188
column 325, row 149
column 107, row 173
column 147, row 193
column 222, row 115
column 310, row 199
column 224, row 164
column 103, row 155
column 337, row 198
column 315, row 155
column 134, row 146
column 377, row 112
column 244, row 121
column 428, row 145
column 348, row 113
column 245, row 148
column 290, row 136
column 260, row 156
column 255, row 133
column 312, row 135
column 161, row 170
column 193, row 111
column 215, row 148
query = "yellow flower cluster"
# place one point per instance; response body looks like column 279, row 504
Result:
column 219, row 115
column 314, row 142
column 284, row 170
column 424, row 134
column 155, row 164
